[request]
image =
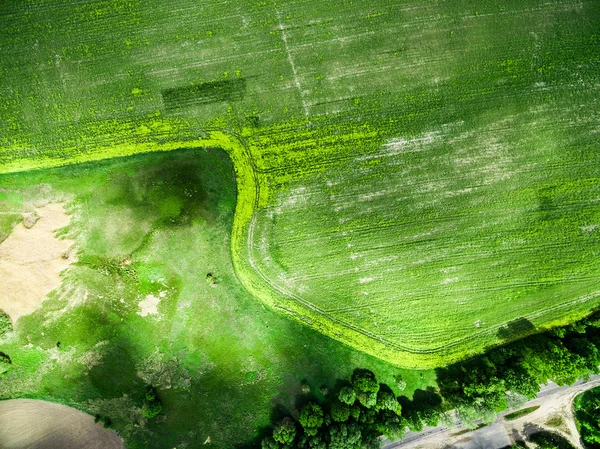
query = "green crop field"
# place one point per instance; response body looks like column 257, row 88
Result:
column 416, row 179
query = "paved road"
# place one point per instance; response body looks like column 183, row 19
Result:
column 495, row 432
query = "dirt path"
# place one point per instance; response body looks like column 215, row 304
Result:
column 555, row 404
column 31, row 260
column 30, row 424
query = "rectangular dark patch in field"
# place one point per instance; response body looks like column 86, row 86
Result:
column 204, row 93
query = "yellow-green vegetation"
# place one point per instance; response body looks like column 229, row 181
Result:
column 413, row 177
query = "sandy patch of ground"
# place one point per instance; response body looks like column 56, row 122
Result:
column 149, row 306
column 31, row 260
column 30, row 424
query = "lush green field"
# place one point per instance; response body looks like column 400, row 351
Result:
column 412, row 176
column 157, row 225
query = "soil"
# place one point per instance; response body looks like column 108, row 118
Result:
column 31, row 259
column 31, row 424
column 149, row 306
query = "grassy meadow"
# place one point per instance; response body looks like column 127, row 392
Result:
column 413, row 177
column 222, row 362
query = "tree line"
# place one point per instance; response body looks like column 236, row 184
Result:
column 356, row 417
column 363, row 410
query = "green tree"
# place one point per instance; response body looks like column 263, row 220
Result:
column 285, row 431
column 428, row 405
column 345, row 436
column 366, row 386
column 391, row 425
column 312, row 442
column 355, row 411
column 517, row 379
column 548, row 358
column 410, row 415
column 340, row 412
column 386, row 400
column 367, row 399
column 311, row 418
column 5, row 324
column 347, row 395
column 588, row 351
column 368, row 417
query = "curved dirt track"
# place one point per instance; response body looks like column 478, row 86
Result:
column 30, row 424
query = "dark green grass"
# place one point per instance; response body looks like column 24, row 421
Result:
column 204, row 93
column 221, row 361
column 520, row 413
column 464, row 431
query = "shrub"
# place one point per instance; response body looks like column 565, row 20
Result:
column 5, row 324
column 5, row 363
column 152, row 405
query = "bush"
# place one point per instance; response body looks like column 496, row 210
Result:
column 5, row 324
column 347, row 395
column 5, row 363
column 152, row 405
column 340, row 412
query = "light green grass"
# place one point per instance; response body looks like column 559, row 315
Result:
column 220, row 360
column 443, row 153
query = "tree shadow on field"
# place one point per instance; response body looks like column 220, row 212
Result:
column 101, row 380
column 519, row 328
column 175, row 189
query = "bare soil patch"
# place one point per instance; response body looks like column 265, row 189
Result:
column 149, row 306
column 31, row 424
column 31, row 259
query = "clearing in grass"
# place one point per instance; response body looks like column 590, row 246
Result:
column 31, row 260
